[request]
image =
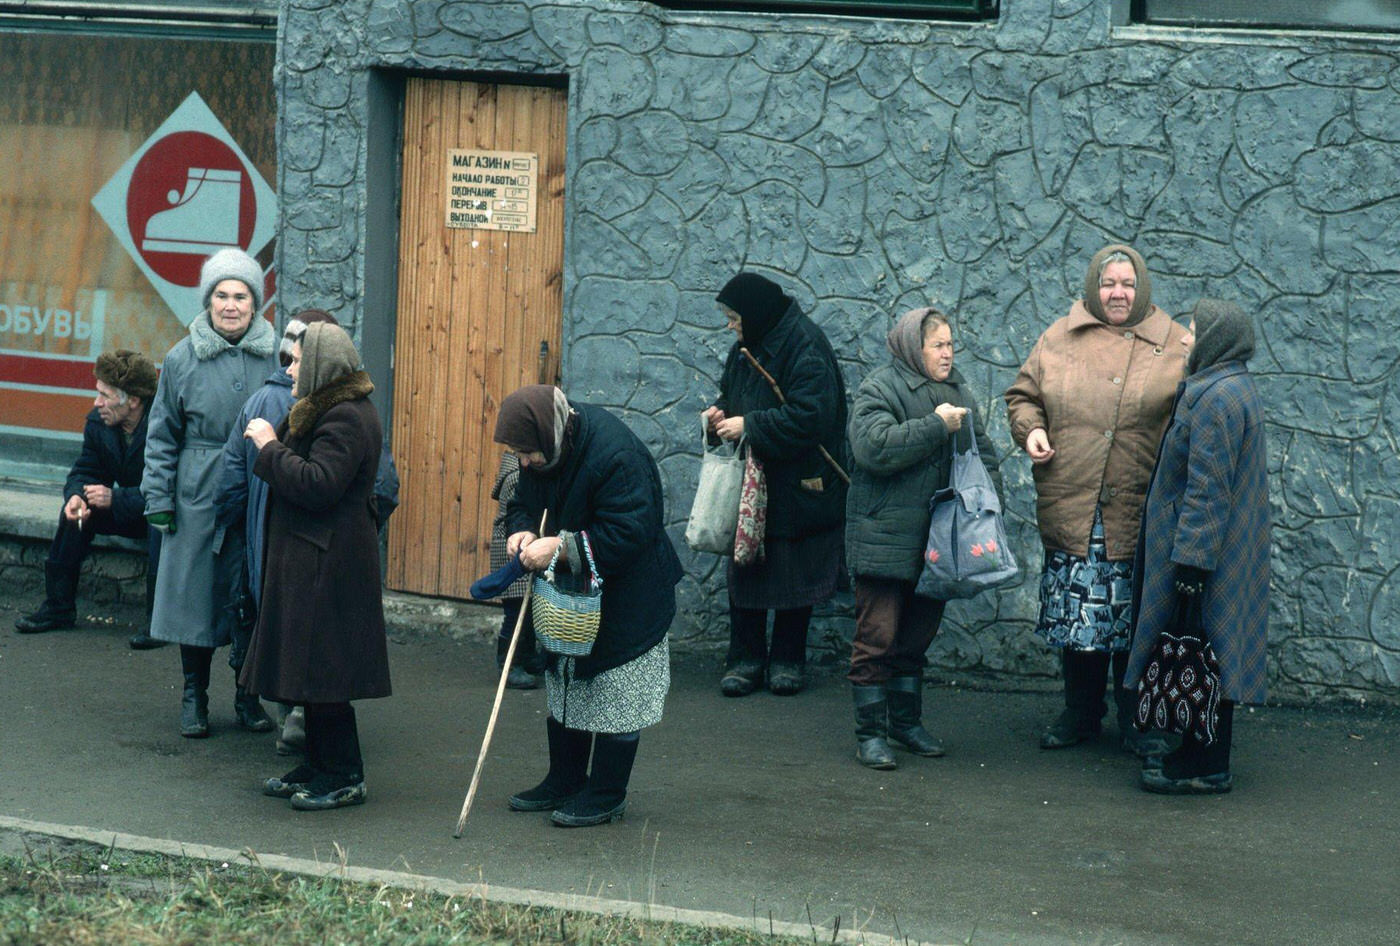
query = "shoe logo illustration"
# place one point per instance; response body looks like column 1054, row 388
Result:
column 202, row 219
column 186, row 192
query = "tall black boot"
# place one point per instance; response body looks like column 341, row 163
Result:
column 194, row 702
column 59, row 609
column 1085, row 673
column 605, row 796
column 568, row 769
column 906, row 696
column 788, row 658
column 748, row 651
column 871, row 708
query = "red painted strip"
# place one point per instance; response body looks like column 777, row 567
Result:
column 43, row 410
column 49, row 372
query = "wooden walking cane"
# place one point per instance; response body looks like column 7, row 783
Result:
column 773, row 383
column 500, row 693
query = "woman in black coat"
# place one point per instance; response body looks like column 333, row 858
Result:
column 801, row 562
column 602, row 491
column 319, row 641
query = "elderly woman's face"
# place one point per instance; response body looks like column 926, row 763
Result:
column 294, row 368
column 732, row 321
column 529, row 458
column 938, row 352
column 1117, row 289
column 231, row 308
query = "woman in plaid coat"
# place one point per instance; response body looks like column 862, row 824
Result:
column 1205, row 531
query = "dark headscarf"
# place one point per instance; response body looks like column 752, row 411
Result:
column 1223, row 333
column 327, row 354
column 906, row 340
column 535, row 417
column 1142, row 298
column 759, row 301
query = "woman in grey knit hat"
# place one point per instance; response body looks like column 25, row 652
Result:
column 203, row 383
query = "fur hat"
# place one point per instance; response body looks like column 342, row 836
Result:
column 128, row 371
column 231, row 264
column 296, row 330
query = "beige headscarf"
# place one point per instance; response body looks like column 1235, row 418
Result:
column 1142, row 298
column 906, row 340
column 327, row 354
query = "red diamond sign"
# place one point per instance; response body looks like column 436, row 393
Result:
column 188, row 191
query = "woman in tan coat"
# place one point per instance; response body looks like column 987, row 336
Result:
column 1089, row 406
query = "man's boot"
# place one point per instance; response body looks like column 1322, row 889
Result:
column 59, row 609
column 906, row 698
column 604, row 798
column 1085, row 672
column 568, row 769
column 194, row 701
column 872, row 751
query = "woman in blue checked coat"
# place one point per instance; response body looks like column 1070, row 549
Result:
column 1205, row 531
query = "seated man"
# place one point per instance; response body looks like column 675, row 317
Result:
column 102, row 495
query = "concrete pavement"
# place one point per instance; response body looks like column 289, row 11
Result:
column 751, row 807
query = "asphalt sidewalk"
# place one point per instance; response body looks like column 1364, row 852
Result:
column 754, row 808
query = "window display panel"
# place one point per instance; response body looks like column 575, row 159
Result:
column 127, row 161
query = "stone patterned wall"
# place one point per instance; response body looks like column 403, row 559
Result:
column 881, row 164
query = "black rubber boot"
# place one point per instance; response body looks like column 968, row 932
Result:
column 906, row 698
column 194, row 702
column 747, row 659
column 1085, row 672
column 604, row 798
column 568, row 769
column 59, row 609
column 787, row 658
column 1193, row 769
column 872, row 751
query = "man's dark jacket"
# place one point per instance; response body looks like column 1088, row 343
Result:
column 107, row 461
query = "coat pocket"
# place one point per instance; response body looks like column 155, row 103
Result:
column 317, row 533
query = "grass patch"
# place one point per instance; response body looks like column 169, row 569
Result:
column 79, row 894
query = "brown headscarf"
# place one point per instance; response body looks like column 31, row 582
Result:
column 1223, row 333
column 906, row 340
column 1142, row 299
column 535, row 417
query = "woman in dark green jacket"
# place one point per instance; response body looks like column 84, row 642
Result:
column 904, row 424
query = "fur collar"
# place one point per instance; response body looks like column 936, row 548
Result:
column 307, row 411
column 259, row 340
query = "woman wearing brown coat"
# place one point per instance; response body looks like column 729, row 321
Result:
column 319, row 641
column 1089, row 406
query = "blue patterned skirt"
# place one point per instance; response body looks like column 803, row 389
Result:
column 1086, row 603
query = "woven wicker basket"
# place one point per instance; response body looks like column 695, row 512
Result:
column 566, row 622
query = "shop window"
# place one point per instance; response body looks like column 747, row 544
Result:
column 78, row 266
column 1277, row 14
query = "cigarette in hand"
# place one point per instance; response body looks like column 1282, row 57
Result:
column 81, row 512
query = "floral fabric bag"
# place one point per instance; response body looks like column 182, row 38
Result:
column 753, row 512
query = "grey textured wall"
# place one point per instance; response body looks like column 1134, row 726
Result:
column 881, row 164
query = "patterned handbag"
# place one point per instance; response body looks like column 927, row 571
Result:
column 753, row 513
column 1180, row 690
column 566, row 617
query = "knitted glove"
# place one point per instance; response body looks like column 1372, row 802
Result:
column 162, row 521
column 1191, row 580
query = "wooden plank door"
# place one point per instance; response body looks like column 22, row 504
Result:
column 479, row 314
